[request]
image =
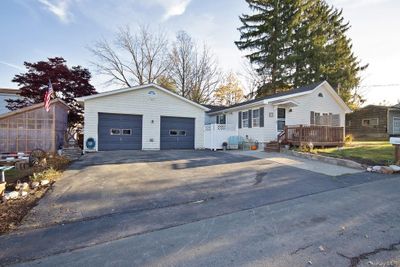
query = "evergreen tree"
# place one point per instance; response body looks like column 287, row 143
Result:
column 315, row 44
column 267, row 34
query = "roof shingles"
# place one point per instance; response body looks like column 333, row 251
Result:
column 298, row 90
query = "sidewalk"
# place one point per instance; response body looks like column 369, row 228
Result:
column 305, row 164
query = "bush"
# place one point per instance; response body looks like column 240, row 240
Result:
column 348, row 139
column 306, row 147
column 57, row 162
column 49, row 174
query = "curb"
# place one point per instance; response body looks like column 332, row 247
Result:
column 330, row 160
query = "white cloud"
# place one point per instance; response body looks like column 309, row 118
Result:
column 58, row 8
column 174, row 7
column 171, row 7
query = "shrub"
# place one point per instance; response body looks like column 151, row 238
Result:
column 58, row 162
column 348, row 139
column 309, row 147
column 49, row 174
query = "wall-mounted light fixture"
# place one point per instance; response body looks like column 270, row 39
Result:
column 290, row 110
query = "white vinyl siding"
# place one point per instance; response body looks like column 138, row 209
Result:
column 294, row 115
column 139, row 102
column 311, row 102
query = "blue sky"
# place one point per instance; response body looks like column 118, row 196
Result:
column 33, row 30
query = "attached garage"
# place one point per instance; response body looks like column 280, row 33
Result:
column 146, row 117
column 120, row 132
column 177, row 133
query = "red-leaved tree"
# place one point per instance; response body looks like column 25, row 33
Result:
column 68, row 83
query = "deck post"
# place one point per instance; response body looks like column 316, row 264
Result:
column 286, row 134
column 301, row 133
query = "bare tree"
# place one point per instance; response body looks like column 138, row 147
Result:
column 206, row 76
column 252, row 78
column 195, row 71
column 135, row 58
column 182, row 61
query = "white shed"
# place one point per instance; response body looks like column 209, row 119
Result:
column 146, row 117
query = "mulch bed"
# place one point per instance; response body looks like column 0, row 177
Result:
column 14, row 210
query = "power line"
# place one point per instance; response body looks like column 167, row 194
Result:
column 381, row 85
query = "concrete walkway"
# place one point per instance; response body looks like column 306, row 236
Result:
column 301, row 163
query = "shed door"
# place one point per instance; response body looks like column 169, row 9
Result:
column 396, row 125
column 177, row 133
column 120, row 132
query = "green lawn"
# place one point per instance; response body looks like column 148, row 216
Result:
column 373, row 153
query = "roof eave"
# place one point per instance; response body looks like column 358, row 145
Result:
column 123, row 90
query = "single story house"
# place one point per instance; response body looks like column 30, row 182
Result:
column 374, row 122
column 7, row 93
column 150, row 117
column 262, row 119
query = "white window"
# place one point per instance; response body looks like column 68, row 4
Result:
column 114, row 131
column 370, row 122
column 221, row 119
column 245, row 119
column 126, row 131
column 175, row 132
column 256, row 118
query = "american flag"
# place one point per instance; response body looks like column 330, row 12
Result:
column 47, row 97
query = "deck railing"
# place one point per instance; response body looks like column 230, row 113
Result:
column 317, row 135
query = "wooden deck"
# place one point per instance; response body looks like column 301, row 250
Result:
column 323, row 136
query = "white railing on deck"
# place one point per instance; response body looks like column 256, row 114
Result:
column 216, row 134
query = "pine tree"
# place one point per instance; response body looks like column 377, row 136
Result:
column 315, row 44
column 267, row 34
column 324, row 52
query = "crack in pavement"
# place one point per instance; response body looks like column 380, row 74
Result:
column 355, row 261
column 300, row 249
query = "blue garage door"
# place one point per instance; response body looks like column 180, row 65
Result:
column 120, row 132
column 177, row 133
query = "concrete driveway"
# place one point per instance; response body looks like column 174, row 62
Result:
column 204, row 208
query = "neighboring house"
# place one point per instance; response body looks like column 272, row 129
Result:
column 264, row 118
column 374, row 122
column 6, row 93
column 30, row 128
column 151, row 117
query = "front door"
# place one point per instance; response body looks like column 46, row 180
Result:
column 281, row 122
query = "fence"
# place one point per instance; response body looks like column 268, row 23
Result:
column 216, row 134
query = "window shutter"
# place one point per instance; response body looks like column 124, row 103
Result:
column 250, row 115
column 312, row 118
column 217, row 119
column 240, row 119
column 261, row 117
